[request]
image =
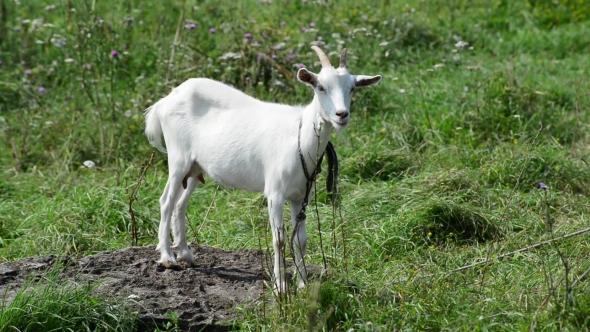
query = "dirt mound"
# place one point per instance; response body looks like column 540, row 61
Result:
column 202, row 296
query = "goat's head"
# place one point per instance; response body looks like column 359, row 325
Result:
column 334, row 87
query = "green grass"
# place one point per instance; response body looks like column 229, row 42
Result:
column 441, row 168
column 50, row 305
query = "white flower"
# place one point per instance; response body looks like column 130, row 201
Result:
column 461, row 44
column 68, row 60
column 439, row 65
column 402, row 91
column 230, row 55
column 383, row 44
column 89, row 164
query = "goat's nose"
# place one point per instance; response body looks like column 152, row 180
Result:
column 342, row 114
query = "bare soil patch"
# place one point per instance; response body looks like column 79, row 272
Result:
column 204, row 296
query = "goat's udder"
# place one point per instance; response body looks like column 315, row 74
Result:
column 199, row 177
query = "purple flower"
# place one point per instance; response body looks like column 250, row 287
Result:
column 190, row 26
column 255, row 43
column 114, row 54
column 274, row 56
column 41, row 89
column 248, row 35
column 260, row 57
column 304, row 1
column 22, row 63
column 312, row 25
column 543, row 186
column 301, row 65
column 283, row 23
column 28, row 72
column 1, row 63
column 290, row 57
column 247, row 78
column 303, row 29
column 212, row 30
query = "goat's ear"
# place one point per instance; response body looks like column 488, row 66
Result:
column 362, row 81
column 307, row 77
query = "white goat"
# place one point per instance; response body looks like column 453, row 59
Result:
column 241, row 142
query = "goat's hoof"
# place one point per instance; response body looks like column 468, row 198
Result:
column 169, row 265
column 190, row 262
column 185, row 255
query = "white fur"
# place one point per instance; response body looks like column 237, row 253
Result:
column 245, row 143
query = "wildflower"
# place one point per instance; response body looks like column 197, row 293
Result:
column 283, row 23
column 255, row 43
column 303, row 1
column 301, row 65
column 312, row 25
column 543, row 186
column 114, row 54
column 248, row 35
column 28, row 72
column 461, row 44
column 303, row 29
column 247, row 78
column 1, row 63
column 212, row 30
column 86, row 66
column 274, row 56
column 68, row 60
column 190, row 26
column 58, row 41
column 230, row 55
column 290, row 57
column 41, row 89
column 402, row 91
column 439, row 65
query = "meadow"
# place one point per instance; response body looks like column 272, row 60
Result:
column 474, row 145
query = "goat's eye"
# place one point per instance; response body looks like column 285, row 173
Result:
column 352, row 89
column 321, row 88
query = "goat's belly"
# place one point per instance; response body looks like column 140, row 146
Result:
column 248, row 182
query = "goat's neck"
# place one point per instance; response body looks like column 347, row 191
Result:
column 315, row 134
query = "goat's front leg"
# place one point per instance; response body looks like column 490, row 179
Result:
column 299, row 241
column 275, row 211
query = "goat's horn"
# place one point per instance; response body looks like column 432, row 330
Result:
column 343, row 58
column 323, row 57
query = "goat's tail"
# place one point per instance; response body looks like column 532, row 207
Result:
column 153, row 127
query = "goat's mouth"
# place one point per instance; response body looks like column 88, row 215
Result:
column 340, row 123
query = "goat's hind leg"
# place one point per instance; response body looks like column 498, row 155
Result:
column 179, row 220
column 168, row 201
